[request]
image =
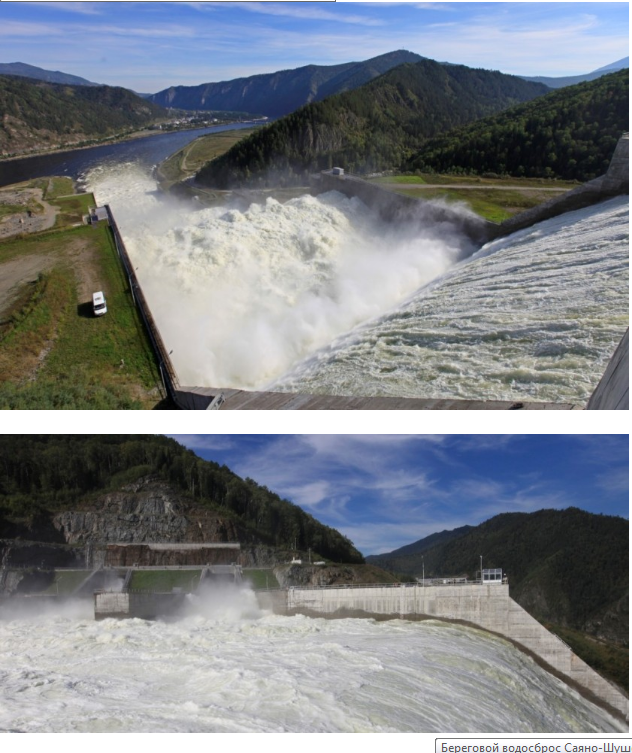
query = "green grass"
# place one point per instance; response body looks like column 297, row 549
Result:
column 56, row 187
column 609, row 660
column 103, row 350
column 261, row 578
column 164, row 581
column 194, row 155
column 492, row 205
column 65, row 582
column 8, row 209
column 72, row 209
column 54, row 354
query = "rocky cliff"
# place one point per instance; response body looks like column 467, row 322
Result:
column 149, row 510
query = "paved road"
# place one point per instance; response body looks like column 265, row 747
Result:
column 413, row 186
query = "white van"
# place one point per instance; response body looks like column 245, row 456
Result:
column 98, row 304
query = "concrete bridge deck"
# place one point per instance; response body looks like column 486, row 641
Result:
column 209, row 398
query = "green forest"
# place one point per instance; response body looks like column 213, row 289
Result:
column 570, row 133
column 40, row 109
column 42, row 475
column 569, row 567
column 375, row 127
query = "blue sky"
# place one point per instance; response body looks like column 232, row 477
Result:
column 385, row 491
column 148, row 46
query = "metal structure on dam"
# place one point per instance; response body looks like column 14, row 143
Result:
column 610, row 394
column 479, row 605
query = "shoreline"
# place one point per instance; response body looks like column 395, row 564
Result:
column 104, row 142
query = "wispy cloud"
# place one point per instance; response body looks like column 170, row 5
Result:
column 304, row 11
column 204, row 441
column 83, row 9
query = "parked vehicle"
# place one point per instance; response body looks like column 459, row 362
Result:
column 98, row 304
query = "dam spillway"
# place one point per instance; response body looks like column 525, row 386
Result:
column 485, row 606
column 270, row 309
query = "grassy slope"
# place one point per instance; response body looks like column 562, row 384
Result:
column 53, row 352
column 197, row 153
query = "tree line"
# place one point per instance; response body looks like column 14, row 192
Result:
column 42, row 475
column 570, row 133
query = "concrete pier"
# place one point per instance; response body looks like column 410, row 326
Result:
column 485, row 606
column 146, row 606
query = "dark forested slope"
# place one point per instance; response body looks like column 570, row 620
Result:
column 374, row 127
column 44, row 475
column 570, row 133
column 37, row 114
column 569, row 567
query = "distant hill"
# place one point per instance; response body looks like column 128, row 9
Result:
column 371, row 128
column 41, row 74
column 567, row 567
column 277, row 94
column 418, row 547
column 570, row 133
column 37, row 114
column 561, row 81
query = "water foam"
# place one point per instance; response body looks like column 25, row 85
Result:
column 242, row 295
column 317, row 295
column 236, row 669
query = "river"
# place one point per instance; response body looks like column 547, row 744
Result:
column 227, row 666
column 145, row 150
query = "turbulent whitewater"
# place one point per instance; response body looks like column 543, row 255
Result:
column 318, row 295
column 228, row 667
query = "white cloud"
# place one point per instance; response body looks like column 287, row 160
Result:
column 203, row 441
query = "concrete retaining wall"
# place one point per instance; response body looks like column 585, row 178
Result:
column 146, row 606
column 613, row 391
column 487, row 607
column 394, row 207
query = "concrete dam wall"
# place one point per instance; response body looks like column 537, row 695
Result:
column 485, row 606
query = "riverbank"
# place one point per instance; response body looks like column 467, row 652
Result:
column 107, row 141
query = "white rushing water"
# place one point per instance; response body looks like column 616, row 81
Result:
column 318, row 295
column 228, row 667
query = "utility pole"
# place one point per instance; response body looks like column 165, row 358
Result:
column 481, row 569
column 423, row 572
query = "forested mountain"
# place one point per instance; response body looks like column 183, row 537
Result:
column 569, row 133
column 568, row 567
column 37, row 114
column 371, row 128
column 41, row 476
column 41, row 74
column 277, row 94
column 557, row 82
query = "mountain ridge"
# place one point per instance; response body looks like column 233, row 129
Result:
column 25, row 70
column 371, row 128
column 558, row 82
column 279, row 93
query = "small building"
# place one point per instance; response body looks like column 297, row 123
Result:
column 98, row 214
column 493, row 576
column 338, row 171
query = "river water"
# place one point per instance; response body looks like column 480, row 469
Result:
column 146, row 150
column 227, row 666
column 318, row 295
